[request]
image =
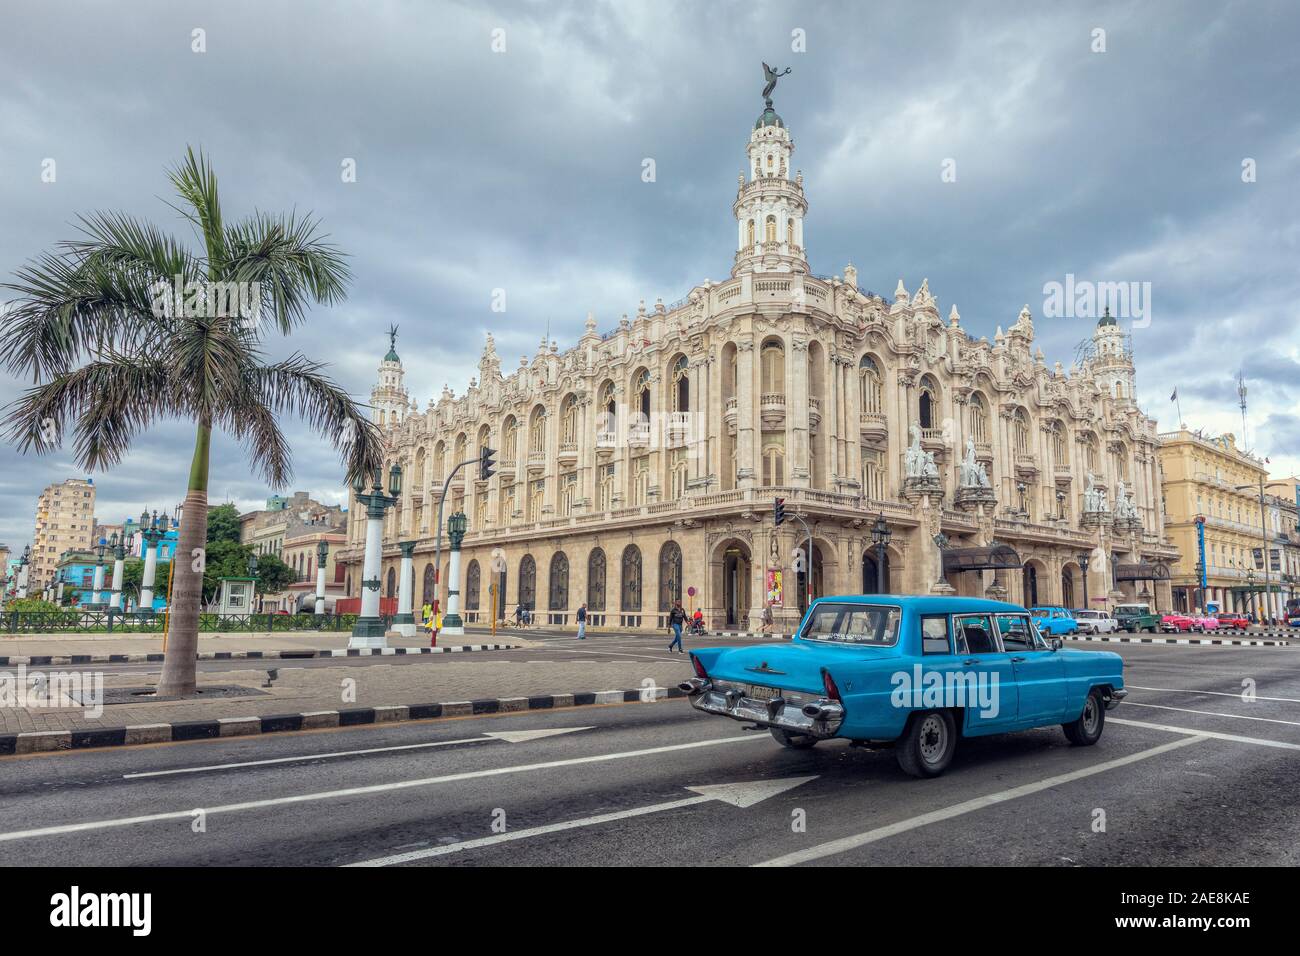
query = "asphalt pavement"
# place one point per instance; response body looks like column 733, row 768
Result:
column 1187, row 772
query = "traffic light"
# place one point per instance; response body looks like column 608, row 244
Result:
column 486, row 462
column 778, row 513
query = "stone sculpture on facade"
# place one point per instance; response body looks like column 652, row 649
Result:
column 1094, row 498
column 971, row 473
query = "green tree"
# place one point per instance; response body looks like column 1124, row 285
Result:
column 113, row 353
column 273, row 575
column 225, row 559
column 133, row 579
column 223, row 523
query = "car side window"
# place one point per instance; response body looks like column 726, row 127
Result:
column 934, row 634
column 1016, row 633
column 976, row 634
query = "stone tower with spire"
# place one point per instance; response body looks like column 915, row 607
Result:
column 1112, row 358
column 389, row 399
column 770, row 204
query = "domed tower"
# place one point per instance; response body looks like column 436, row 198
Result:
column 1112, row 358
column 389, row 399
column 770, row 204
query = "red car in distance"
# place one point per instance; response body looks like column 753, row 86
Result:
column 1233, row 620
column 1176, row 622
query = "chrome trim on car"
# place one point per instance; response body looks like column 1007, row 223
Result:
column 795, row 713
column 1113, row 699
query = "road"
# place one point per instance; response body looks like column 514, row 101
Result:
column 1186, row 773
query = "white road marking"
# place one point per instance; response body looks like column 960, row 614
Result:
column 371, row 789
column 1212, row 693
column 510, row 736
column 1213, row 713
column 736, row 794
column 1214, row 735
column 845, row 844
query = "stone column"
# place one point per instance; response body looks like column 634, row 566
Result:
column 22, row 581
column 452, row 623
column 58, row 594
column 320, row 589
column 150, row 571
column 97, row 588
column 119, row 560
column 747, row 415
column 404, row 622
column 799, row 466
column 369, row 629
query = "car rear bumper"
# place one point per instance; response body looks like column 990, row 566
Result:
column 811, row 717
column 1115, row 698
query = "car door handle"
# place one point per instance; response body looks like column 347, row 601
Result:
column 1017, row 660
column 970, row 660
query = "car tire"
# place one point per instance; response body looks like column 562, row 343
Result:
column 793, row 741
column 928, row 744
column 1086, row 731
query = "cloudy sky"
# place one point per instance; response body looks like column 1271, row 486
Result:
column 520, row 169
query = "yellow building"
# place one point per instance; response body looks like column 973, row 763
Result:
column 1209, row 481
column 65, row 520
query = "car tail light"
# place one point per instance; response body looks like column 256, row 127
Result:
column 828, row 682
column 700, row 672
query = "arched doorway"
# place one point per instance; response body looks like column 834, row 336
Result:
column 528, row 582
column 1067, row 588
column 392, row 583
column 818, row 579
column 871, row 579
column 426, row 589
column 735, row 567
column 1029, row 585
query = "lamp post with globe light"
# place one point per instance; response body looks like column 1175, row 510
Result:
column 369, row 629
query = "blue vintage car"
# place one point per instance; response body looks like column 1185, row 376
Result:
column 917, row 672
column 1054, row 621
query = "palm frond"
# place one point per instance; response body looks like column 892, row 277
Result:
column 196, row 182
column 291, row 263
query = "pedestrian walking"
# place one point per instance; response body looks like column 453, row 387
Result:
column 767, row 618
column 676, row 618
column 582, row 622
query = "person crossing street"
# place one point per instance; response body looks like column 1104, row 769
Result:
column 676, row 618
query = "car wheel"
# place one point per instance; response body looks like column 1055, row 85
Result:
column 1086, row 731
column 927, row 745
column 793, row 741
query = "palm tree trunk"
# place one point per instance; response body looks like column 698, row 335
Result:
column 179, row 665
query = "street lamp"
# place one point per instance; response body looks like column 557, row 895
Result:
column 1250, row 589
column 118, row 543
column 322, row 555
column 457, row 524
column 880, row 535
column 1083, row 557
column 152, row 531
column 24, row 564
column 369, row 629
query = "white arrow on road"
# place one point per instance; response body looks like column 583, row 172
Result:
column 737, row 794
column 509, row 736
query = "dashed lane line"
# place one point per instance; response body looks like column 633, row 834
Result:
column 1212, row 693
column 1203, row 734
column 1212, row 713
column 845, row 844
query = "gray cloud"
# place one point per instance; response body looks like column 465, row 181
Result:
column 522, row 171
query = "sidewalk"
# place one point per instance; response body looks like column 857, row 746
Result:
column 99, row 648
column 307, row 698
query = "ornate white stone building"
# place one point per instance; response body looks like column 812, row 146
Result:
column 644, row 462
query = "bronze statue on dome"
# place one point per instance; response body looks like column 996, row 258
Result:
column 771, row 76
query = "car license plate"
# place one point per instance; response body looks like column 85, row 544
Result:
column 761, row 693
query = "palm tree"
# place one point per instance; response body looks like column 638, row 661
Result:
column 113, row 350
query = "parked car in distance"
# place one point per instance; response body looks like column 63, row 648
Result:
column 1095, row 622
column 918, row 672
column 1234, row 620
column 1175, row 622
column 1054, row 621
column 1136, row 617
column 1204, row 623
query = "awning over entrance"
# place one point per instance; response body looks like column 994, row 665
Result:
column 1141, row 572
column 995, row 558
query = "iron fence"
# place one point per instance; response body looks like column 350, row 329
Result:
column 147, row 622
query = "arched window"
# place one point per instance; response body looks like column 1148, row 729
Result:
column 873, row 474
column 528, row 582
column 439, row 461
column 392, row 582
column 596, row 580
column 869, row 383
column 417, row 479
column 929, row 403
column 670, row 575
column 1060, row 447
column 631, row 578
column 773, row 363
column 1090, row 452
column 537, row 431
column 979, row 418
column 641, row 391
column 472, row 575
column 749, row 234
column 559, row 597
column 789, row 232
column 769, row 229
column 1020, row 432
column 509, row 440
column 462, row 448
column 681, row 385
column 569, row 420
column 774, row 460
column 427, row 592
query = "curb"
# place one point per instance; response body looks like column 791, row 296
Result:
column 1221, row 641
column 43, row 741
column 51, row 660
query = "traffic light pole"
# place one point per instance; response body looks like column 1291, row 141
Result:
column 487, row 468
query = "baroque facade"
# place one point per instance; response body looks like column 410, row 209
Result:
column 642, row 464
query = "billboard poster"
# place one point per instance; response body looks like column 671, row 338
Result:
column 775, row 588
